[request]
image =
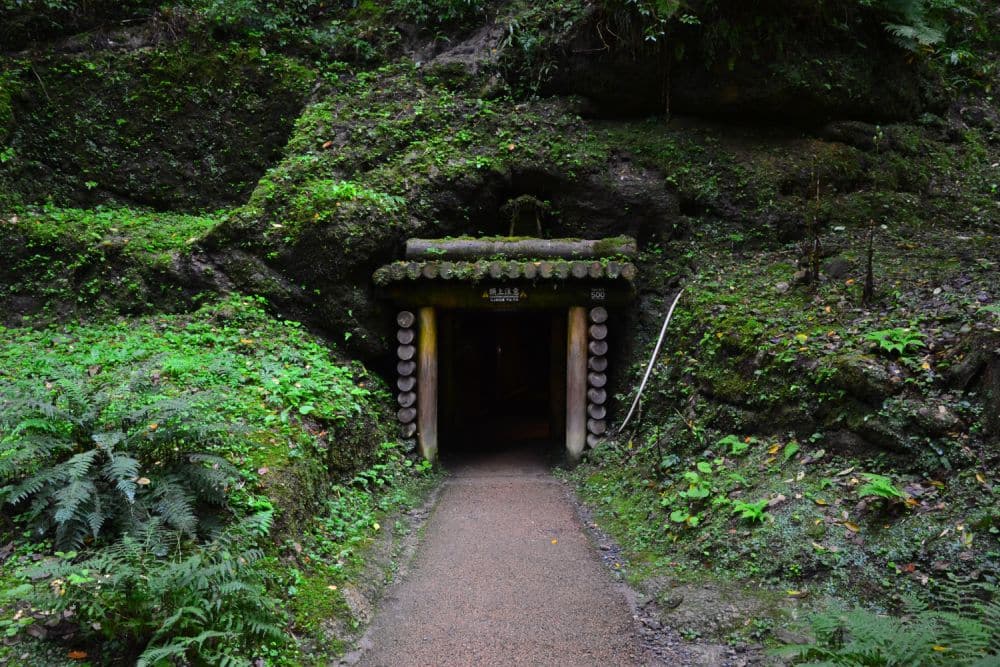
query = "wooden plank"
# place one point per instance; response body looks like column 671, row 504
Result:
column 472, row 248
column 542, row 295
column 405, row 319
column 599, row 364
column 405, row 336
column 598, row 348
column 598, row 315
column 406, row 367
column 598, row 331
column 427, row 374
column 576, row 384
column 406, row 383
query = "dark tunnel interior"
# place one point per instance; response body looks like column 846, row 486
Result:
column 503, row 380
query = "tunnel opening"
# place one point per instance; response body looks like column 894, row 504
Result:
column 503, row 381
column 503, row 341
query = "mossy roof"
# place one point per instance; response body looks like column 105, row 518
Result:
column 456, row 271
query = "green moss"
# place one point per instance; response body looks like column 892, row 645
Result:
column 393, row 137
column 179, row 126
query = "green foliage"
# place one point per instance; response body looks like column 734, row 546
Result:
column 701, row 483
column 880, row 487
column 261, row 17
column 917, row 24
column 349, row 518
column 527, row 56
column 737, row 446
column 79, row 467
column 439, row 13
column 160, row 603
column 965, row 632
column 318, row 199
column 897, row 340
column 751, row 512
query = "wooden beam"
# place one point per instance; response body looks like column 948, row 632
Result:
column 532, row 248
column 427, row 383
column 576, row 384
column 466, row 295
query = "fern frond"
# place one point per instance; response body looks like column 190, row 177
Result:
column 29, row 487
column 122, row 470
column 174, row 503
column 69, row 498
column 77, row 467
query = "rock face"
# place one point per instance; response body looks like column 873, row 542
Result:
column 756, row 60
column 980, row 370
column 124, row 130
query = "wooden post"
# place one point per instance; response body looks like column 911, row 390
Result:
column 427, row 378
column 576, row 384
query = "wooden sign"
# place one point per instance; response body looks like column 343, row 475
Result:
column 504, row 295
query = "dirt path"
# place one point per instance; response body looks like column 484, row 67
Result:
column 504, row 575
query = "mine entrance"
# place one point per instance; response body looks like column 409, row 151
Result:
column 502, row 379
column 505, row 340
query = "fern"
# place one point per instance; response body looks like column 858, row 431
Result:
column 167, row 604
column 963, row 630
column 76, row 468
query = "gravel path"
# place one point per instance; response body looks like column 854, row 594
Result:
column 504, row 575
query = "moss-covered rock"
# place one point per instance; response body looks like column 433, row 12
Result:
column 180, row 127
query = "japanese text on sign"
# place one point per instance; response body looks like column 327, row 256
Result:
column 504, row 294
